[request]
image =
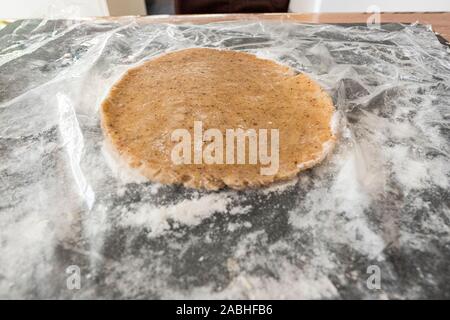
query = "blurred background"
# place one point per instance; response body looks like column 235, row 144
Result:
column 20, row 9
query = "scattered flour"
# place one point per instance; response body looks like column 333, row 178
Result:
column 189, row 212
column 340, row 218
column 290, row 285
column 280, row 187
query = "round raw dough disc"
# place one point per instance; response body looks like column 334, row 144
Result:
column 225, row 90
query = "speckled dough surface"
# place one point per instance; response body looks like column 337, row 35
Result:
column 225, row 90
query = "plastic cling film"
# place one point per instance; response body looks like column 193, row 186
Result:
column 380, row 198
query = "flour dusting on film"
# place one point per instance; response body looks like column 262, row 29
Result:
column 186, row 212
column 379, row 199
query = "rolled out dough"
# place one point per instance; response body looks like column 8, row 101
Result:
column 225, row 90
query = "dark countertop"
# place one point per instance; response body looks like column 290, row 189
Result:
column 379, row 202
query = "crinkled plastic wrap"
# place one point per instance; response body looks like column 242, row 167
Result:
column 372, row 221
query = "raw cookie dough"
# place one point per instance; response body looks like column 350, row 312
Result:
column 225, row 90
